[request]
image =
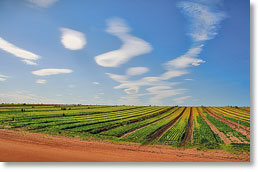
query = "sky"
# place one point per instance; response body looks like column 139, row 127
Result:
column 137, row 52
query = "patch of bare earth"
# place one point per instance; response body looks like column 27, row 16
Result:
column 240, row 128
column 215, row 130
column 21, row 146
column 233, row 138
column 190, row 127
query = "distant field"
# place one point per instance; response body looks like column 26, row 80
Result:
column 200, row 127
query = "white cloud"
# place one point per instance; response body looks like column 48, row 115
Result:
column 188, row 79
column 186, row 60
column 181, row 100
column 172, row 74
column 137, row 71
column 162, row 92
column 27, row 56
column 42, row 3
column 25, row 97
column 71, row 86
column 3, row 77
column 41, row 81
column 205, row 21
column 117, row 78
column 29, row 62
column 132, row 46
column 72, row 39
column 46, row 72
column 95, row 83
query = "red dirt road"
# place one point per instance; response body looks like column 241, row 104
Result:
column 20, row 146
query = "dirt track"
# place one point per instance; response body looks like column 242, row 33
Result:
column 20, row 146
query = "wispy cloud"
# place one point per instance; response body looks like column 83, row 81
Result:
column 72, row 39
column 41, row 81
column 42, row 3
column 71, row 86
column 29, row 62
column 95, row 83
column 186, row 60
column 27, row 56
column 46, row 72
column 136, row 71
column 205, row 21
column 173, row 74
column 162, row 92
column 181, row 100
column 25, row 97
column 117, row 78
column 204, row 18
column 3, row 77
column 132, row 46
column 188, row 79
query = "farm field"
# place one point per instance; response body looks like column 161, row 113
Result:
column 226, row 128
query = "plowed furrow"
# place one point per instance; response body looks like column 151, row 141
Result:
column 240, row 128
column 160, row 131
column 215, row 130
column 189, row 132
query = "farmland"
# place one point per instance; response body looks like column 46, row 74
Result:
column 188, row 127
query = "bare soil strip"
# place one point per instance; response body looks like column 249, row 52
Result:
column 240, row 128
column 233, row 138
column 140, row 127
column 20, row 146
column 189, row 132
column 160, row 131
column 214, row 129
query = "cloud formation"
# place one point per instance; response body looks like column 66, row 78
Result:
column 41, row 81
column 136, row 71
column 95, row 83
column 132, row 46
column 26, row 97
column 162, row 92
column 204, row 18
column 72, row 39
column 46, row 72
column 3, row 77
column 181, row 100
column 186, row 60
column 205, row 22
column 27, row 56
column 42, row 3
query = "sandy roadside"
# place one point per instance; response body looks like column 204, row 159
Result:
column 21, row 146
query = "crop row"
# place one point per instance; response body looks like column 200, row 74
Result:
column 142, row 134
column 224, row 128
column 174, row 135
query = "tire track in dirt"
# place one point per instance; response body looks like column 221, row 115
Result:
column 189, row 132
column 214, row 129
column 240, row 128
column 160, row 131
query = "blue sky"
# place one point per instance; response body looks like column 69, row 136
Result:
column 137, row 52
